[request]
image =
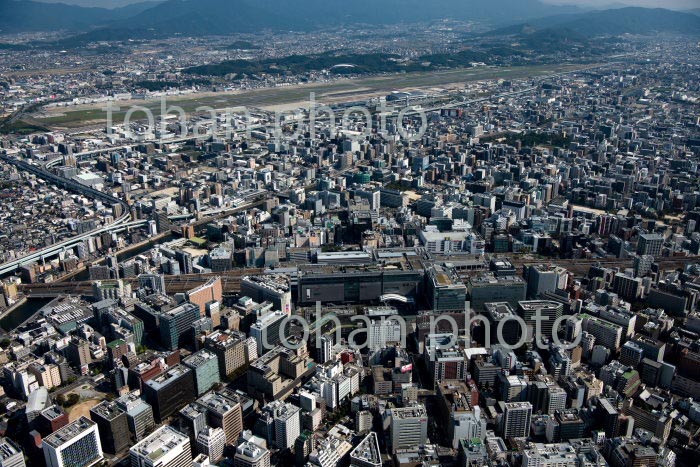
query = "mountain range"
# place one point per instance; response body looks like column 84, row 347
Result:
column 28, row 16
column 223, row 17
column 196, row 17
column 629, row 20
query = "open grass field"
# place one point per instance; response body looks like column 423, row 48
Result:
column 81, row 409
column 269, row 98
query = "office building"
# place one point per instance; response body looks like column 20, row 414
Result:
column 566, row 424
column 631, row 354
column 650, row 244
column 223, row 412
column 444, row 289
column 606, row 333
column 112, row 426
column 550, row 455
column 220, row 259
column 408, row 427
column 273, row 288
column 547, row 312
column 10, row 454
column 502, row 314
column 249, row 454
column 75, row 445
column 193, row 419
column 286, row 423
column 608, row 417
column 205, row 367
column 367, row 454
column 266, row 331
column 139, row 414
column 488, row 287
column 444, row 361
column 627, row 287
column 384, row 331
column 211, row 442
column 211, row 291
column 169, row 391
column 229, row 348
column 516, row 419
column 165, row 447
column 542, row 279
column 175, row 325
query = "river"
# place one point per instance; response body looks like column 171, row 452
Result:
column 22, row 313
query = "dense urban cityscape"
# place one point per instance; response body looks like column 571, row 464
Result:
column 402, row 235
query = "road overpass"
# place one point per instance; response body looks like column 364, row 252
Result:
column 230, row 282
column 119, row 224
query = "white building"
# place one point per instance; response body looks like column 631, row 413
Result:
column 249, row 454
column 409, row 426
column 287, row 422
column 550, row 455
column 385, row 330
column 211, row 442
column 165, row 447
column 74, row 445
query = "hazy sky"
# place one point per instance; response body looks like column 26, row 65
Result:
column 676, row 4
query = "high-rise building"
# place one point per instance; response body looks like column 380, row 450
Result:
column 155, row 282
column 383, row 331
column 606, row 333
column 75, row 445
column 211, row 441
column 249, row 454
column 547, row 312
column 455, row 404
column 165, row 447
column 543, row 278
column 51, row 419
column 444, row 362
column 516, row 419
column 642, row 265
column 229, row 348
column 501, row 312
column 223, row 412
column 631, row 354
column 489, row 287
column 175, row 325
column 193, row 419
column 169, row 391
column 273, row 288
column 205, row 366
column 445, row 290
column 220, row 259
column 10, row 454
column 650, row 244
column 200, row 296
column 266, row 331
column 286, row 420
column 565, row 425
column 513, row 387
column 556, row 398
column 608, row 417
column 408, row 426
column 627, row 287
column 363, row 421
column 325, row 349
column 139, row 414
column 112, row 425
